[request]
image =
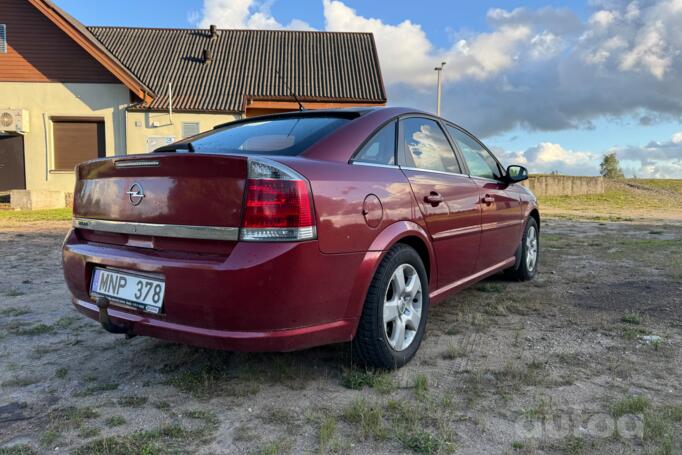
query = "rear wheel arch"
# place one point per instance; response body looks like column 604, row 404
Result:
column 401, row 232
column 422, row 250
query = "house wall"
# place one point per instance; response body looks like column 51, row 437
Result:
column 38, row 51
column 45, row 100
column 144, row 126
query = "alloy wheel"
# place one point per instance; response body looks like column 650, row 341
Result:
column 402, row 307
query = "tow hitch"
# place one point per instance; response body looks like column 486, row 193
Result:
column 103, row 303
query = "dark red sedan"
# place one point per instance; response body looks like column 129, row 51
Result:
column 296, row 230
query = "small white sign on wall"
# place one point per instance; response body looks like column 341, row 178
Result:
column 154, row 142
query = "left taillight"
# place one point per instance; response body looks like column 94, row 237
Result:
column 277, row 204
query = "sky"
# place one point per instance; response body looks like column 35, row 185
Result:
column 547, row 84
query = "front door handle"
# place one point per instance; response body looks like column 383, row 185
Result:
column 434, row 198
column 488, row 199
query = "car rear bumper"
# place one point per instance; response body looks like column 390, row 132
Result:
column 258, row 341
column 252, row 297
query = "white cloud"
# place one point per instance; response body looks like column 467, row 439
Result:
column 548, row 157
column 540, row 69
column 241, row 14
column 677, row 138
column 654, row 160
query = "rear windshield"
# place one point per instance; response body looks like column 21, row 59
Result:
column 278, row 136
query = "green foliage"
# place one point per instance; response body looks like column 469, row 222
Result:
column 610, row 167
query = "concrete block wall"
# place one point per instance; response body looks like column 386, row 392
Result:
column 564, row 185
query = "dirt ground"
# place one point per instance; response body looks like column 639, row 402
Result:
column 561, row 364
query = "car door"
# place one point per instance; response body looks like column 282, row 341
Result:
column 447, row 199
column 501, row 211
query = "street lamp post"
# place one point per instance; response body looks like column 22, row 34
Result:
column 438, row 70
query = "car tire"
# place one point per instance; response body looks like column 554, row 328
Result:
column 528, row 253
column 391, row 344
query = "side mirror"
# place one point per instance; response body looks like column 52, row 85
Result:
column 516, row 173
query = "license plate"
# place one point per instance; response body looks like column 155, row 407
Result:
column 130, row 289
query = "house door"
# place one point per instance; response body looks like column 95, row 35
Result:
column 12, row 172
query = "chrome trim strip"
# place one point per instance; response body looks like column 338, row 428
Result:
column 159, row 230
column 407, row 168
column 363, row 163
column 457, row 231
column 476, row 177
column 499, row 224
column 136, row 163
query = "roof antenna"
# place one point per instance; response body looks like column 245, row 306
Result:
column 300, row 105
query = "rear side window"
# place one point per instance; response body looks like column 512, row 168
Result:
column 426, row 146
column 381, row 148
column 279, row 136
column 480, row 161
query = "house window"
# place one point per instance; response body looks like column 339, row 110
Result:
column 75, row 140
column 3, row 39
column 190, row 129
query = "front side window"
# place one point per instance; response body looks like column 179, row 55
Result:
column 381, row 148
column 480, row 161
column 278, row 136
column 426, row 146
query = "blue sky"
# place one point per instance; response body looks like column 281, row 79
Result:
column 553, row 85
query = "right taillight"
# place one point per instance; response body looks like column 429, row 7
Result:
column 277, row 204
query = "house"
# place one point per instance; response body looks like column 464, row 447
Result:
column 70, row 93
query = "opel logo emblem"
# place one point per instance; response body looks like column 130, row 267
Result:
column 135, row 194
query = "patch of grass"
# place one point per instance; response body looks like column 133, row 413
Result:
column 276, row 447
column 22, row 381
column 366, row 418
column 34, row 330
column 65, row 322
column 630, row 405
column 115, row 421
column 277, row 416
column 107, row 386
column 132, row 401
column 70, row 417
column 327, row 432
column 244, row 432
column 162, row 405
column 357, row 379
column 157, row 441
column 21, row 449
column 61, row 372
column 49, row 438
column 632, row 333
column 452, row 352
column 421, row 441
column 36, row 215
column 14, row 312
column 517, row 445
column 631, row 318
column 514, row 376
column 421, row 386
column 14, row 293
column 489, row 287
column 89, row 432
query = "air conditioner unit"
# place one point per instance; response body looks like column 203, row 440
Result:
column 14, row 121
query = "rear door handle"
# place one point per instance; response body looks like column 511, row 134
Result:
column 434, row 198
column 488, row 199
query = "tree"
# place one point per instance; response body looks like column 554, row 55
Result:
column 610, row 167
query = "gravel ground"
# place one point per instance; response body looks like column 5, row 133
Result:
column 558, row 365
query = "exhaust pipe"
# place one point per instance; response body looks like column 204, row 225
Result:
column 103, row 303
